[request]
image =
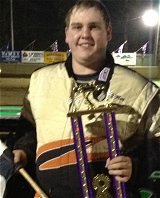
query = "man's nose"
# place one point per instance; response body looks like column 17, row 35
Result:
column 86, row 32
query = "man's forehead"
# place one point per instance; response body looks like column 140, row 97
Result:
column 78, row 12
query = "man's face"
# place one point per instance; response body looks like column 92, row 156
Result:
column 87, row 35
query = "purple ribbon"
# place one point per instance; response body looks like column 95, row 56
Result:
column 111, row 132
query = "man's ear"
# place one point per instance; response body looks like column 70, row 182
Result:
column 109, row 32
column 66, row 34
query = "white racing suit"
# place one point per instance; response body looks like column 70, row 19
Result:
column 47, row 103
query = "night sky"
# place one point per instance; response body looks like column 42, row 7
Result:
column 43, row 21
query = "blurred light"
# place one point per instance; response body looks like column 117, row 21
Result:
column 150, row 18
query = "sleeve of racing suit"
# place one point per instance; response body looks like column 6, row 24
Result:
column 26, row 134
column 145, row 152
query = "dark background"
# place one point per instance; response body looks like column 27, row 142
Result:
column 43, row 21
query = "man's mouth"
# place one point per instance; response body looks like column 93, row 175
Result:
column 86, row 44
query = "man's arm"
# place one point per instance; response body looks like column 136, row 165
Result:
column 25, row 147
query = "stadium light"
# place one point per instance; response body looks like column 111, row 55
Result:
column 150, row 18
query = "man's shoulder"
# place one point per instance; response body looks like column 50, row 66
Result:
column 128, row 79
column 49, row 68
column 128, row 74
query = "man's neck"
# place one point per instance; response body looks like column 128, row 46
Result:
column 86, row 69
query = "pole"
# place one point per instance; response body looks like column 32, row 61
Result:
column 156, row 44
column 29, row 45
column 33, row 184
column 12, row 28
column 125, row 49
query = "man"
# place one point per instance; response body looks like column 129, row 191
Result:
column 54, row 91
column 6, row 166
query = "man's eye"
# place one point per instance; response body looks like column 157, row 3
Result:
column 77, row 27
column 93, row 27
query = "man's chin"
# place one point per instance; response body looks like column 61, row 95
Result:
column 86, row 59
column 87, row 55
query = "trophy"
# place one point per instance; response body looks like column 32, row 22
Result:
column 101, row 183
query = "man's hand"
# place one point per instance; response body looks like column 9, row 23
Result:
column 20, row 157
column 120, row 167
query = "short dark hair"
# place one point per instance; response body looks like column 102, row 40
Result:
column 89, row 4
